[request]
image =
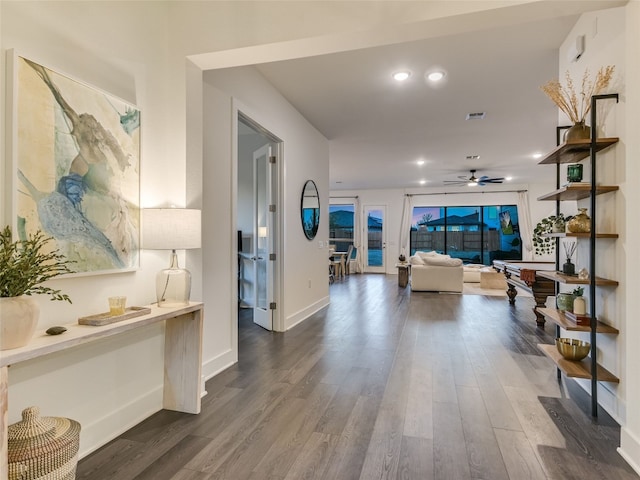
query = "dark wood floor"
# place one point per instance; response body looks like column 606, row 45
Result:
column 385, row 383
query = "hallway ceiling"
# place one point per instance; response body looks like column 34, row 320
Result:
column 378, row 128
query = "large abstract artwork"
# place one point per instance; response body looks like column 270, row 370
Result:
column 76, row 168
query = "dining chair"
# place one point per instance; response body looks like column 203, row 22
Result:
column 347, row 260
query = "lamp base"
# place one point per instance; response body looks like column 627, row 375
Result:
column 173, row 285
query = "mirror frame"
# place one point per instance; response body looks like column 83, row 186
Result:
column 310, row 192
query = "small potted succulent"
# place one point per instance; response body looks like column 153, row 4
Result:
column 24, row 266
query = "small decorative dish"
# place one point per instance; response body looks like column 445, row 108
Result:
column 106, row 318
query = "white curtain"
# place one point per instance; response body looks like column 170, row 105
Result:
column 357, row 235
column 526, row 227
column 405, row 226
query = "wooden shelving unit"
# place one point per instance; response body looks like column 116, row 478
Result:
column 573, row 152
column 579, row 235
column 577, row 192
column 557, row 316
column 580, row 369
column 571, row 280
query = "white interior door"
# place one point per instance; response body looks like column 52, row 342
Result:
column 264, row 238
column 374, row 240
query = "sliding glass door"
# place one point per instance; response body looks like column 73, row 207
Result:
column 374, row 238
column 476, row 234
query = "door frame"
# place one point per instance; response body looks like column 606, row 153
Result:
column 238, row 112
column 365, row 238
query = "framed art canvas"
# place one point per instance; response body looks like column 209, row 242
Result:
column 76, row 168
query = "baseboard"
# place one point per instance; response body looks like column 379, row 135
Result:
column 305, row 313
column 212, row 367
column 630, row 449
column 607, row 400
column 101, row 431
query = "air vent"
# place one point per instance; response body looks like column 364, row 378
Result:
column 473, row 157
column 476, row 116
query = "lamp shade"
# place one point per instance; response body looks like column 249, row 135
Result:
column 171, row 228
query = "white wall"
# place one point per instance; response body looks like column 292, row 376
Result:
column 305, row 156
column 629, row 172
column 113, row 384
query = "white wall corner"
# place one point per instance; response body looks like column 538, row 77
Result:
column 301, row 315
column 630, row 449
column 213, row 366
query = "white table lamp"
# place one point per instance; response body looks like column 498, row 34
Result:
column 171, row 229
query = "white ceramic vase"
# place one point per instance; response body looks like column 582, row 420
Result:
column 579, row 306
column 18, row 321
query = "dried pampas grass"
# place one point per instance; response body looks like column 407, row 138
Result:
column 577, row 106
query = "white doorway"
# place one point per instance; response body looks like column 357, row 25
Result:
column 374, row 238
column 258, row 222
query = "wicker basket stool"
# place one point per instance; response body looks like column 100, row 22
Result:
column 43, row 448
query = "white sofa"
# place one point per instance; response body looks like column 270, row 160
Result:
column 432, row 272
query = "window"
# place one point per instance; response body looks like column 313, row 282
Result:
column 478, row 234
column 341, row 225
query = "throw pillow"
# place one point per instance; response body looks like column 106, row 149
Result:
column 443, row 262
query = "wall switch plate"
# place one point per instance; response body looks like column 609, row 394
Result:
column 320, row 244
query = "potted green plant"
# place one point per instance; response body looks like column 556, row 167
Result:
column 551, row 224
column 24, row 266
column 565, row 301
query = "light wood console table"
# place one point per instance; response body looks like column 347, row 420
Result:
column 182, row 358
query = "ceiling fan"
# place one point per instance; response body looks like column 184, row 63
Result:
column 472, row 181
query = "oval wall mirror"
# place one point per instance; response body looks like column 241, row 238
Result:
column 310, row 209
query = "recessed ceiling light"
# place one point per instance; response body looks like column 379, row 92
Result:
column 537, row 155
column 401, row 76
column 508, row 179
column 435, row 76
column 420, row 162
column 422, row 182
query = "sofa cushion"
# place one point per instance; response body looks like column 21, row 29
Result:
column 443, row 261
column 416, row 260
column 432, row 253
column 475, row 266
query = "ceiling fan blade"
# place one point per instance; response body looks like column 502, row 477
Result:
column 473, row 180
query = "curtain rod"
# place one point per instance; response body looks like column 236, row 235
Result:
column 465, row 193
column 345, row 197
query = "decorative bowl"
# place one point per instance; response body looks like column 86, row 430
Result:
column 573, row 349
